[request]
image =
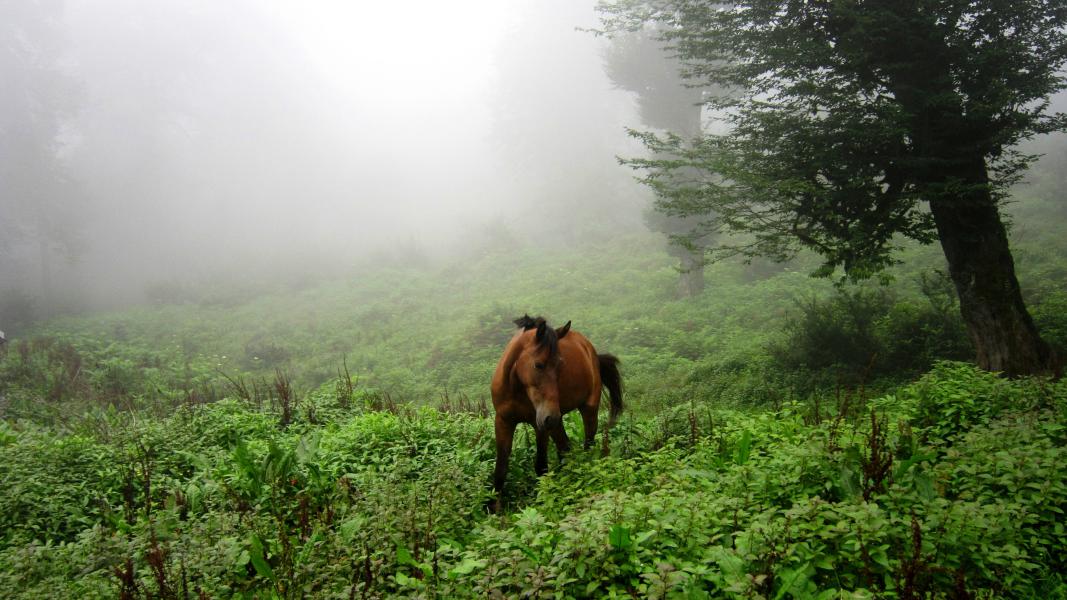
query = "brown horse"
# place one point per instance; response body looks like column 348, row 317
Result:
column 544, row 374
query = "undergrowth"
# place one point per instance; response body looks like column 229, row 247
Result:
column 953, row 486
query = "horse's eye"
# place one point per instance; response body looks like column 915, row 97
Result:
column 539, row 366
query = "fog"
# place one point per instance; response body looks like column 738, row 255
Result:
column 183, row 141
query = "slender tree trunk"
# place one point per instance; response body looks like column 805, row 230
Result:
column 687, row 123
column 691, row 275
column 981, row 266
column 45, row 256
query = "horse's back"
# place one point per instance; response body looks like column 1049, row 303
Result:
column 579, row 378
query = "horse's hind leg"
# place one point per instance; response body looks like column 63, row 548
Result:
column 541, row 463
column 590, row 417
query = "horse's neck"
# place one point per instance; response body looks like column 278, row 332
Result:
column 512, row 352
column 507, row 361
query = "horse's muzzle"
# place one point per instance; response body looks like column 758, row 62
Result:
column 548, row 422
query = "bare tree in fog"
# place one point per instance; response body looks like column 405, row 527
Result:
column 558, row 125
column 638, row 62
column 38, row 216
column 248, row 143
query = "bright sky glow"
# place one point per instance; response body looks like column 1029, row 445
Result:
column 401, row 56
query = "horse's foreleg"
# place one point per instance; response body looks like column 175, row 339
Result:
column 563, row 443
column 505, row 434
column 590, row 416
column 541, row 463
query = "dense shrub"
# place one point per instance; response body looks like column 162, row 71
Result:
column 837, row 333
column 856, row 334
column 18, row 310
column 918, row 333
column 915, row 336
column 54, row 488
column 954, row 397
column 1050, row 316
column 260, row 353
column 770, row 507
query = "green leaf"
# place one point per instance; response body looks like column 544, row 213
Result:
column 466, row 567
column 259, row 562
column 641, row 537
column 914, row 459
column 744, row 448
column 790, row 577
column 619, row 538
column 308, row 448
column 403, row 557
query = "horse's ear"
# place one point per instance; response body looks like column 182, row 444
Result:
column 541, row 328
column 562, row 331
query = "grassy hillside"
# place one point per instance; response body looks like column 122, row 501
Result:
column 421, row 332
column 779, row 440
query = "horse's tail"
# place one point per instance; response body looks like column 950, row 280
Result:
column 610, row 377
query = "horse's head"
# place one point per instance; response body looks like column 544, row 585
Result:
column 537, row 368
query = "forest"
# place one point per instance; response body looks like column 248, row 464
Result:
column 254, row 285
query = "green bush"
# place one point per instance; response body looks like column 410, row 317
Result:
column 915, row 336
column 18, row 311
column 837, row 335
column 1050, row 316
column 858, row 334
column 56, row 487
column 954, row 397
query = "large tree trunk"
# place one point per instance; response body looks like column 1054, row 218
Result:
column 980, row 263
column 950, row 163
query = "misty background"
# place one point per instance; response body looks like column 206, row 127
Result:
column 152, row 145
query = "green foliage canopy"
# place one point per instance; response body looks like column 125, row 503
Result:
column 843, row 116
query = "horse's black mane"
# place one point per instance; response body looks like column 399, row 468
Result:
column 527, row 322
column 546, row 336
